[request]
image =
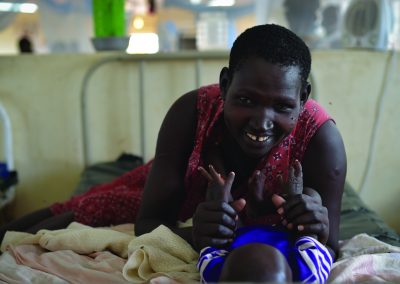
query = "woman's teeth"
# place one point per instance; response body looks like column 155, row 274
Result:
column 257, row 138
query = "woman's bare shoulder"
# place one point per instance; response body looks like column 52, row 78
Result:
column 179, row 125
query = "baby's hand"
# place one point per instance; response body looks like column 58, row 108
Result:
column 294, row 185
column 215, row 220
column 218, row 188
column 302, row 211
column 258, row 199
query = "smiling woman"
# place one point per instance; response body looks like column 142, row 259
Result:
column 248, row 136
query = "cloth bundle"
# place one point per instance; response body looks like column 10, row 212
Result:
column 159, row 253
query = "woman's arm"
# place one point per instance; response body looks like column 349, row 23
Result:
column 164, row 190
column 324, row 169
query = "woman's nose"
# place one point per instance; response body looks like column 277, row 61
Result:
column 262, row 121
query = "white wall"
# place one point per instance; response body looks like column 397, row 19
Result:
column 350, row 85
column 42, row 95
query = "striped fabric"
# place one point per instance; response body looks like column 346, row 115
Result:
column 310, row 261
column 210, row 264
column 315, row 259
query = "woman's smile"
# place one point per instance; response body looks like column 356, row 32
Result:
column 253, row 143
column 256, row 138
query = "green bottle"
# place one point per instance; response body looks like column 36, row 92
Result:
column 109, row 18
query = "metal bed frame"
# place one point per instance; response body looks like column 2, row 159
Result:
column 8, row 195
column 141, row 61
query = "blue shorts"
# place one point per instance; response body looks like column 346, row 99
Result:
column 309, row 260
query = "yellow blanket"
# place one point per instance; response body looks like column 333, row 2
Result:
column 160, row 252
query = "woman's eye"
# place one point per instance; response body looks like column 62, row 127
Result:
column 245, row 101
column 284, row 107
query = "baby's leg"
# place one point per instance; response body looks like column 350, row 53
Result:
column 256, row 262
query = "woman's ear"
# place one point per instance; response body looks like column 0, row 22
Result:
column 224, row 81
column 305, row 93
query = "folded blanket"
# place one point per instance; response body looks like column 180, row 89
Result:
column 78, row 238
column 99, row 267
column 364, row 244
column 366, row 259
column 160, row 252
column 13, row 273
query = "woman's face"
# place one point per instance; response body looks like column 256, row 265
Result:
column 262, row 105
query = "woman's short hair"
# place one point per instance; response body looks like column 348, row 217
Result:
column 273, row 43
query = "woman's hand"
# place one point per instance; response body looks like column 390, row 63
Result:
column 215, row 220
column 302, row 209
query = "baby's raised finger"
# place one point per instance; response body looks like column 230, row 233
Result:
column 298, row 170
column 229, row 180
column 215, row 175
column 295, row 183
column 256, row 185
column 205, row 174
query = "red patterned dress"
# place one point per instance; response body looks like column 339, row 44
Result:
column 118, row 202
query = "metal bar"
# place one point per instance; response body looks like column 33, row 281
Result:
column 142, row 108
column 84, row 119
column 141, row 59
column 7, row 134
column 198, row 68
column 9, row 194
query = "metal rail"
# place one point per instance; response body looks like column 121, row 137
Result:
column 141, row 60
column 9, row 194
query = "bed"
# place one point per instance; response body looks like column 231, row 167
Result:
column 369, row 248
